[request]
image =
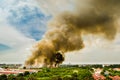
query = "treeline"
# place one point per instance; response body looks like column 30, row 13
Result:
column 94, row 66
column 106, row 65
column 52, row 74
column 76, row 72
column 21, row 76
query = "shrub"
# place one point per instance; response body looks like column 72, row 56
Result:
column 31, row 78
column 56, row 78
column 85, row 74
column 26, row 73
column 20, row 75
column 11, row 77
column 3, row 77
column 20, row 78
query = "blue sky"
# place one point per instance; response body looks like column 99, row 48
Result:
column 24, row 22
column 4, row 47
column 29, row 21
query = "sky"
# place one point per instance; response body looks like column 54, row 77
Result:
column 24, row 22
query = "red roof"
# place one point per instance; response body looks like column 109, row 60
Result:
column 9, row 72
column 115, row 77
column 98, row 77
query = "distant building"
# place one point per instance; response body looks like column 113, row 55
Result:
column 10, row 65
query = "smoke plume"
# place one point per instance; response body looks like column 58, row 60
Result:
column 65, row 31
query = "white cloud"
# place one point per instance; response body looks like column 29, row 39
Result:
column 18, row 43
column 24, row 15
column 98, row 51
column 6, row 6
column 55, row 6
column 10, row 36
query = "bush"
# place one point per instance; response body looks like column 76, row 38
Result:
column 20, row 75
column 32, row 78
column 20, row 78
column 56, row 78
column 67, row 78
column 75, row 76
column 85, row 74
column 3, row 77
column 11, row 77
column 46, row 70
column 26, row 73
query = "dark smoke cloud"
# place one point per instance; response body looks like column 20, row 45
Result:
column 65, row 31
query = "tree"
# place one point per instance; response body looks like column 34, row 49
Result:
column 3, row 77
column 11, row 77
column 24, row 67
column 20, row 75
column 56, row 78
column 26, row 73
column 85, row 74
column 20, row 78
column 31, row 77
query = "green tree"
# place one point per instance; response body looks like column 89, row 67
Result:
column 20, row 78
column 11, row 77
column 56, row 78
column 3, row 77
column 85, row 74
column 31, row 77
column 20, row 75
column 26, row 73
column 74, row 76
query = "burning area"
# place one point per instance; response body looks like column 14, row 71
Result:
column 65, row 31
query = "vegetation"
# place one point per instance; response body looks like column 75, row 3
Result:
column 65, row 73
column 3, row 77
column 71, row 73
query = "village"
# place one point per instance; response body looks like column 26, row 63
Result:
column 97, row 71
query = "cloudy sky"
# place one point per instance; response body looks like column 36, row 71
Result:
column 24, row 22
